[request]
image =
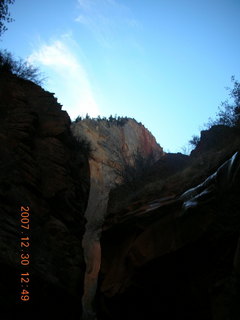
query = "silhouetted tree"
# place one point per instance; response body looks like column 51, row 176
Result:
column 139, row 168
column 4, row 15
column 19, row 67
column 83, row 145
column 78, row 119
column 194, row 141
column 235, row 95
column 229, row 112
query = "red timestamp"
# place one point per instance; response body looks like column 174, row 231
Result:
column 25, row 254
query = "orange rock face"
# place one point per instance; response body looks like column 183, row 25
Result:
column 114, row 148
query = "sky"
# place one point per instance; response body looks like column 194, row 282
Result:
column 166, row 63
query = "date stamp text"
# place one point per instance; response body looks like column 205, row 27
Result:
column 25, row 253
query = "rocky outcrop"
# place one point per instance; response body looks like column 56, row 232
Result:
column 172, row 254
column 116, row 147
column 43, row 168
column 173, row 174
column 218, row 138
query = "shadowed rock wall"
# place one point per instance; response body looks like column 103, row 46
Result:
column 42, row 167
column 170, row 255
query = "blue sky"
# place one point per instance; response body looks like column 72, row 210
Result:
column 165, row 63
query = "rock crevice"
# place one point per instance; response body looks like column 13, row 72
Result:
column 113, row 148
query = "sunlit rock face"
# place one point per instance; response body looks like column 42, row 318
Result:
column 114, row 146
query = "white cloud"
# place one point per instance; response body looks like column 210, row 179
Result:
column 86, row 4
column 82, row 19
column 68, row 78
column 106, row 19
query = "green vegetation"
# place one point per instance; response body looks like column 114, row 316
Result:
column 228, row 114
column 19, row 67
column 194, row 141
column 116, row 120
column 4, row 15
column 82, row 145
column 85, row 147
column 8, row 63
column 229, row 111
column 141, row 166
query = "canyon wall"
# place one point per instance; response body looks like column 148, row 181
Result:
column 109, row 238
column 45, row 169
column 114, row 148
column 170, row 242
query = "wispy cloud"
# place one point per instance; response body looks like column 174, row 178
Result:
column 71, row 81
column 105, row 19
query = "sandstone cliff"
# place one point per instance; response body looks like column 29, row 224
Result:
column 43, row 168
column 115, row 147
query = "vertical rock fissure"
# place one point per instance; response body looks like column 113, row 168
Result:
column 95, row 213
column 114, row 149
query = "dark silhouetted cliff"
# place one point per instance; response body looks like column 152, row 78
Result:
column 176, row 231
column 42, row 167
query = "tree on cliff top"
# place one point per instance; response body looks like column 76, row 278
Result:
column 19, row 67
column 229, row 111
column 4, row 15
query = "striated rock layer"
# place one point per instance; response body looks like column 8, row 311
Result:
column 170, row 244
column 116, row 147
column 43, row 168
